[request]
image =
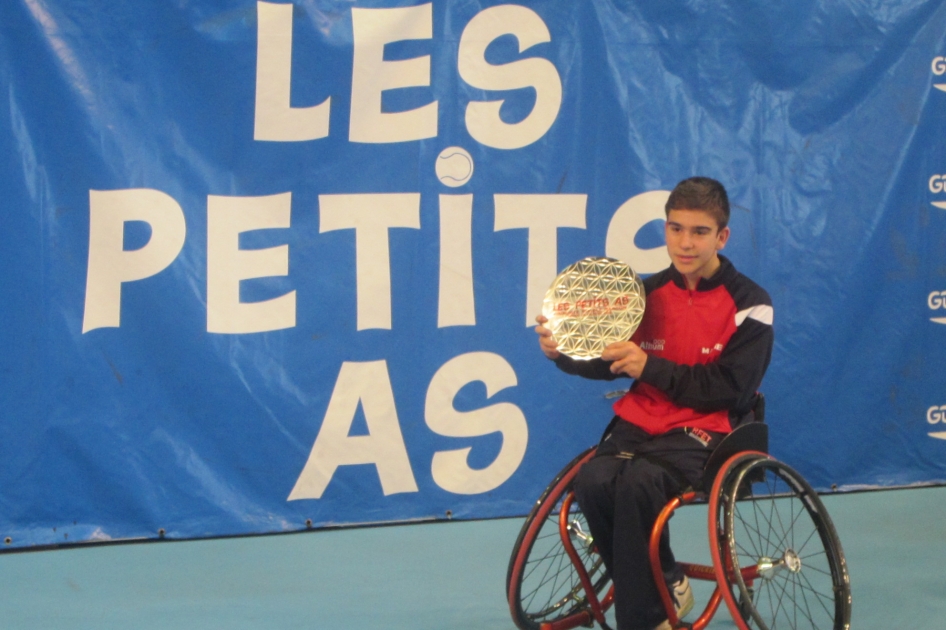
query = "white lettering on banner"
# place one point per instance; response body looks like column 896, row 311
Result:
column 627, row 221
column 937, row 184
column 110, row 264
column 542, row 215
column 275, row 119
column 372, row 75
column 939, row 68
column 456, row 305
column 450, row 469
column 483, row 121
column 227, row 264
column 369, row 385
column 936, row 414
column 371, row 215
column 937, row 300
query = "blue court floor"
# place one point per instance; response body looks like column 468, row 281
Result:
column 421, row 577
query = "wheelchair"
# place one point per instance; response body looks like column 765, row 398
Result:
column 776, row 558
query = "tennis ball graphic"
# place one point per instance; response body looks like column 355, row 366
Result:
column 454, row 167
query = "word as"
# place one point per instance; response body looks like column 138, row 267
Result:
column 368, row 385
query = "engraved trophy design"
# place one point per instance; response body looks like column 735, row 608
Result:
column 592, row 303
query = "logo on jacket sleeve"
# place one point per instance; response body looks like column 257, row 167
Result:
column 656, row 344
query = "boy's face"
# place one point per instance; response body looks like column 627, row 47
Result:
column 693, row 240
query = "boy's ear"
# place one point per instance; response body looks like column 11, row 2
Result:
column 721, row 237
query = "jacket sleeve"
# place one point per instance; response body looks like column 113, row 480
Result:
column 727, row 383
column 597, row 369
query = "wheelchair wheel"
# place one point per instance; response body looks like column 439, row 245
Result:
column 778, row 549
column 542, row 585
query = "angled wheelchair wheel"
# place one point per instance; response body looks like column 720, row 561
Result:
column 777, row 549
column 542, row 585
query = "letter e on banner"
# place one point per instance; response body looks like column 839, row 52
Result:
column 372, row 75
column 109, row 264
column 227, row 264
column 368, row 384
column 450, row 469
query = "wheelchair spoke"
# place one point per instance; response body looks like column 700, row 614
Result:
column 807, row 611
column 761, row 549
column 795, row 599
column 821, row 596
column 791, row 529
column 547, row 587
column 807, row 540
column 799, row 579
column 824, row 572
column 549, row 575
column 778, row 606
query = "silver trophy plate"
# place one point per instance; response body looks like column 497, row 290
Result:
column 592, row 303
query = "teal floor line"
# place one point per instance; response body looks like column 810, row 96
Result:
column 421, row 577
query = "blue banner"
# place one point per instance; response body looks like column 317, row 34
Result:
column 274, row 265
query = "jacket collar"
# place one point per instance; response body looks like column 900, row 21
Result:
column 725, row 271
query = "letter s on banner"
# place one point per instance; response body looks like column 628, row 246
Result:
column 482, row 118
column 634, row 214
column 109, row 264
column 450, row 469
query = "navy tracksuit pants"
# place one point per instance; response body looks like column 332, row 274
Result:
column 621, row 491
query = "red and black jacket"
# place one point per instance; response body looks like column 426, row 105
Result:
column 708, row 350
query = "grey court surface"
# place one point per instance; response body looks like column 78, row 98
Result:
column 420, row 577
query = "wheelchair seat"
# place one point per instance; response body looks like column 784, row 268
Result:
column 750, row 434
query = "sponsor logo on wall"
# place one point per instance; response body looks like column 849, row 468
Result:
column 936, row 415
column 937, row 185
column 938, row 66
column 936, row 301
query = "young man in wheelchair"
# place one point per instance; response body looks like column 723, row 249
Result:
column 698, row 359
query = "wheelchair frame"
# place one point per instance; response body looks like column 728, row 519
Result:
column 750, row 566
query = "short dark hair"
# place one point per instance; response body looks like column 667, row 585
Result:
column 701, row 193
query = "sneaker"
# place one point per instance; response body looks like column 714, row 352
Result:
column 683, row 595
